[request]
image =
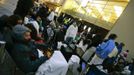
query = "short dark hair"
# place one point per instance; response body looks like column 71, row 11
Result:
column 116, row 43
column 127, row 50
column 122, row 44
column 112, row 36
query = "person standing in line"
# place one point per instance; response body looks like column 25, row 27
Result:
column 104, row 49
column 51, row 16
column 71, row 33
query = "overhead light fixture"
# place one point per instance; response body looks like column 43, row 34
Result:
column 80, row 19
column 89, row 29
column 118, row 10
column 57, row 9
column 93, row 15
column 98, row 7
column 85, row 27
column 88, row 10
column 84, row 3
column 106, row 18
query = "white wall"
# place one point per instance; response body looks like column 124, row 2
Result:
column 124, row 28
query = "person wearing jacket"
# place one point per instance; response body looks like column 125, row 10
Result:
column 24, row 53
column 104, row 50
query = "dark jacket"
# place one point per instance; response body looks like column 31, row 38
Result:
column 23, row 56
column 24, row 51
column 7, row 35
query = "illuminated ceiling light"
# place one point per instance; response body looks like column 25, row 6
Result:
column 98, row 7
column 80, row 19
column 88, row 10
column 106, row 18
column 84, row 3
column 90, row 0
column 69, row 19
column 85, row 27
column 89, row 29
column 128, row 0
column 81, row 11
column 118, row 10
column 57, row 9
column 118, row 13
column 93, row 15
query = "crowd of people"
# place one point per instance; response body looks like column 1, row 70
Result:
column 40, row 31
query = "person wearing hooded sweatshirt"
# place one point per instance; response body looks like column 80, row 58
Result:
column 23, row 51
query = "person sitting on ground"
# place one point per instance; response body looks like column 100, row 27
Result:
column 23, row 52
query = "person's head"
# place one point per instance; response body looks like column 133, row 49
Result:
column 116, row 43
column 28, row 15
column 52, row 24
column 33, row 31
column 112, row 36
column 122, row 44
column 21, row 33
column 38, row 18
column 74, row 23
column 61, row 27
column 14, row 20
column 52, row 9
column 27, row 36
column 127, row 51
column 18, row 19
column 3, row 22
